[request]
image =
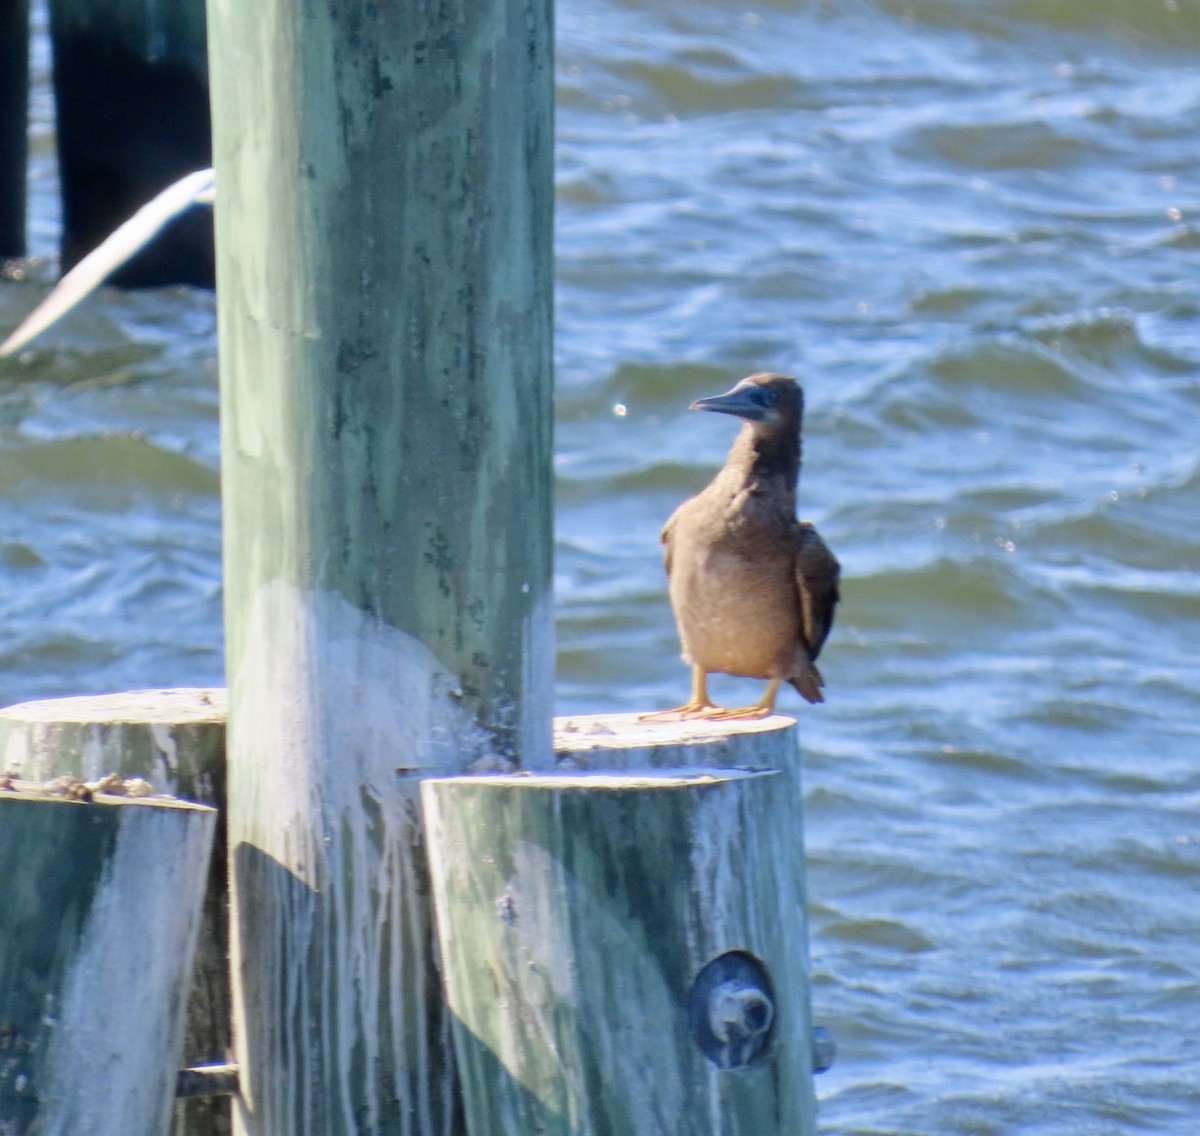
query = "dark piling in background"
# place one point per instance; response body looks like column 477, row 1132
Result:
column 14, row 114
column 131, row 83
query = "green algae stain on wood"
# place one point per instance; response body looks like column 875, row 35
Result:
column 385, row 300
column 97, row 930
column 576, row 911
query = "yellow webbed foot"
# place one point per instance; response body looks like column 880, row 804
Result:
column 688, row 711
column 740, row 713
column 763, row 708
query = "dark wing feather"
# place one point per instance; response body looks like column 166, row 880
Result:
column 817, row 572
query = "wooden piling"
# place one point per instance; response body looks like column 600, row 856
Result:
column 99, row 907
column 14, row 125
column 385, row 289
column 627, row 951
column 175, row 740
column 131, row 92
column 627, row 741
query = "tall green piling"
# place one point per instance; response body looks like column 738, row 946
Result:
column 14, row 112
column 384, row 238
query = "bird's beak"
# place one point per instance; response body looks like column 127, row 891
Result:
column 742, row 402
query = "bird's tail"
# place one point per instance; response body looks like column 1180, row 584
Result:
column 808, row 681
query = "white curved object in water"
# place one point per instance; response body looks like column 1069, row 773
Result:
column 198, row 188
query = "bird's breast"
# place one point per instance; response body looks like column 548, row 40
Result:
column 735, row 601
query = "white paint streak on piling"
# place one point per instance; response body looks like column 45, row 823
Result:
column 337, row 834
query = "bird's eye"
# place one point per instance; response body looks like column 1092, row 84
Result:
column 769, row 395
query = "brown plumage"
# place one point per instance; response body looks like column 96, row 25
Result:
column 753, row 588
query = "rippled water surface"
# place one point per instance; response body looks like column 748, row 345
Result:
column 971, row 228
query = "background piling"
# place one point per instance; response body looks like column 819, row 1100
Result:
column 14, row 116
column 384, row 259
column 131, row 90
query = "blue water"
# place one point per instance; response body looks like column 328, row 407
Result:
column 972, row 229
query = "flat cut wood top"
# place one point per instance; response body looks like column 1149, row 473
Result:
column 626, row 741
column 173, row 706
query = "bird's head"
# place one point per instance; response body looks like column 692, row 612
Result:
column 773, row 403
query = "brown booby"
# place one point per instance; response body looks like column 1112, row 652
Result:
column 753, row 588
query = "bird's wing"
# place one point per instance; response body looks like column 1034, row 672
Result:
column 817, row 572
column 665, row 537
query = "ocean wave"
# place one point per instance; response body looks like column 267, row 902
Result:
column 1169, row 25
column 1030, row 144
column 98, row 466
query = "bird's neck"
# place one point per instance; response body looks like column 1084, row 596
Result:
column 767, row 458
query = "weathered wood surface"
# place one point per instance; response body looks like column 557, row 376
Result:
column 175, row 739
column 99, row 907
column 14, row 124
column 626, row 741
column 575, row 913
column 385, row 294
column 131, row 94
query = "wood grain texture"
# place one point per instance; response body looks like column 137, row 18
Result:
column 99, row 908
column 175, row 739
column 385, row 298
column 575, row 912
column 627, row 741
